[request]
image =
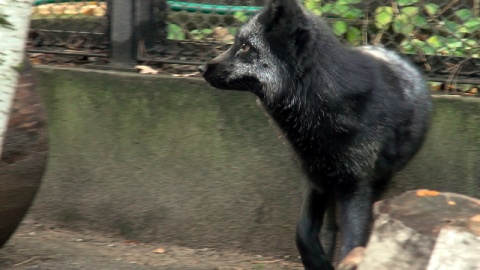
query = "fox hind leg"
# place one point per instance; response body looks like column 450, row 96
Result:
column 328, row 234
column 355, row 216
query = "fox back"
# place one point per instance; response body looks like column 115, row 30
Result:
column 354, row 115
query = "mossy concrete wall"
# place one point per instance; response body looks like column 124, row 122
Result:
column 162, row 159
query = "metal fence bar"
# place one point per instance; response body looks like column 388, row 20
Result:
column 121, row 32
column 67, row 53
column 145, row 27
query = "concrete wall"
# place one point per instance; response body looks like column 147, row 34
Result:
column 163, row 159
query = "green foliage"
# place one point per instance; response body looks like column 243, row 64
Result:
column 201, row 34
column 431, row 9
column 470, row 26
column 383, row 17
column 422, row 28
column 437, row 44
column 340, row 28
column 175, row 32
column 240, row 16
column 354, row 36
column 406, row 2
column 314, row 6
column 456, row 35
column 341, row 9
column 233, row 30
column 464, row 14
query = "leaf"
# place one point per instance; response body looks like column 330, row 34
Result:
column 470, row 42
column 353, row 35
column 410, row 11
column 160, row 250
column 201, row 34
column 464, row 14
column 314, row 6
column 463, row 30
column 206, row 31
column 451, row 202
column 146, row 69
column 420, row 21
column 240, row 16
column 340, row 9
column 327, row 8
column 431, row 9
column 475, row 218
column 459, row 53
column 418, row 43
column 175, row 32
column 436, row 41
column 423, row 46
column 340, row 28
column 426, row 192
column 472, row 24
column 186, row 75
column 406, row 2
column 454, row 43
column 428, row 50
column 452, row 27
column 348, row 2
column 444, row 51
column 335, row 9
column 383, row 17
column 233, row 30
column 407, row 46
column 402, row 24
column 353, row 13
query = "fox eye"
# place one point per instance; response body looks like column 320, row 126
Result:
column 245, row 47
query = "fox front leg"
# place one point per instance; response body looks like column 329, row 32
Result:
column 308, row 229
column 355, row 217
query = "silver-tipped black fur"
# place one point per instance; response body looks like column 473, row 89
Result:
column 355, row 116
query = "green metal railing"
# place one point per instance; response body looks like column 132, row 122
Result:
column 183, row 6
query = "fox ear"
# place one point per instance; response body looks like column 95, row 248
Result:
column 287, row 16
column 282, row 10
column 302, row 37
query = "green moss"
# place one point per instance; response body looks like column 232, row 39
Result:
column 192, row 131
column 182, row 126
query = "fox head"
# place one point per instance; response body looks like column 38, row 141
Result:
column 267, row 49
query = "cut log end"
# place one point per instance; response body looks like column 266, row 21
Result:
column 424, row 229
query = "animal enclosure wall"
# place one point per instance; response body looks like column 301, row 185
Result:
column 162, row 159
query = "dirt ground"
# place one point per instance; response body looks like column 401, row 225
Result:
column 40, row 246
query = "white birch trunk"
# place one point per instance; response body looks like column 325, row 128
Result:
column 14, row 24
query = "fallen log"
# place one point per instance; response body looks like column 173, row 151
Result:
column 420, row 230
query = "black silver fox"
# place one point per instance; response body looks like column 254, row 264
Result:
column 355, row 116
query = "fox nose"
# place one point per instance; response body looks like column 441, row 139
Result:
column 202, row 68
